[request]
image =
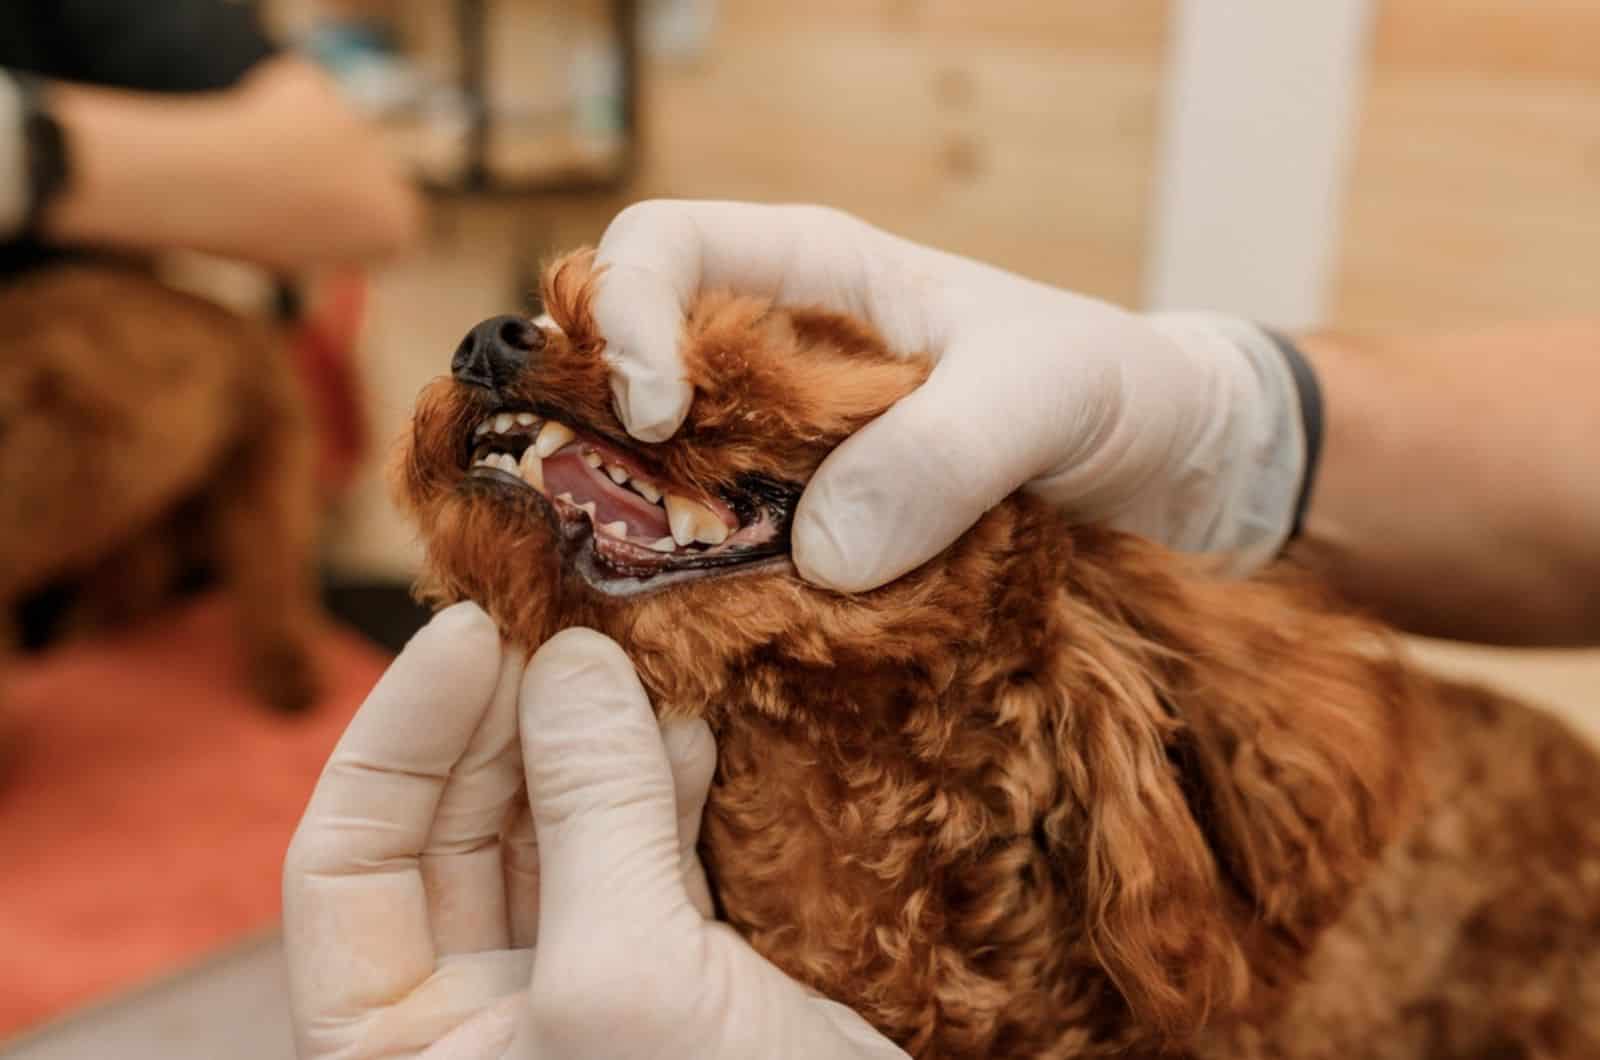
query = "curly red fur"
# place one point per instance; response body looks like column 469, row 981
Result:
column 1057, row 792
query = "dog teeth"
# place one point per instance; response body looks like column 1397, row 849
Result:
column 552, row 436
column 532, row 469
column 692, row 521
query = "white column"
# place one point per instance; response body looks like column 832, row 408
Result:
column 1259, row 118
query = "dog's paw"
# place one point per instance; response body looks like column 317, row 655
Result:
column 286, row 677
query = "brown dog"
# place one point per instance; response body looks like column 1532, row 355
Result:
column 142, row 432
column 1053, row 794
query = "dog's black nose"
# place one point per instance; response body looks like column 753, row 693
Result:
column 494, row 352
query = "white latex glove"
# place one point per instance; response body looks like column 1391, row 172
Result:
column 1183, row 427
column 410, row 923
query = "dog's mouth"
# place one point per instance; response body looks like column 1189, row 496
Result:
column 623, row 526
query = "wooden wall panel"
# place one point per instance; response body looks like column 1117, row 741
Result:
column 1475, row 192
column 1020, row 131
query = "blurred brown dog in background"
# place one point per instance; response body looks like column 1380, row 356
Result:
column 145, row 433
column 1056, row 793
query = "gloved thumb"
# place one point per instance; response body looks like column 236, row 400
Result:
column 601, row 790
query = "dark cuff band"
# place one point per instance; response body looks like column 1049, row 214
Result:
column 45, row 144
column 1305, row 384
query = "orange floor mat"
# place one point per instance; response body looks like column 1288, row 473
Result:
column 145, row 804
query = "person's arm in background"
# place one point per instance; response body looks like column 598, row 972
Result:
column 1459, row 487
column 275, row 169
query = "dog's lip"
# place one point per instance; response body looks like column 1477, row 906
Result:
column 754, row 514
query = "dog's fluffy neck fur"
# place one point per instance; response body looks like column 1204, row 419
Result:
column 1196, row 859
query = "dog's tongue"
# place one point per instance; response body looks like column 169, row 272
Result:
column 566, row 472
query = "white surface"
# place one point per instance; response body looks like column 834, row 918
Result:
column 235, row 1007
column 1260, row 101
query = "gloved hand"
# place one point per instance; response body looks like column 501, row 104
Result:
column 1183, row 427
column 412, row 908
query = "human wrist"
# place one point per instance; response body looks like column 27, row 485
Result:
column 1247, row 468
column 140, row 163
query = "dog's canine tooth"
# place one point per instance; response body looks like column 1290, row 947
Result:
column 692, row 521
column 524, row 419
column 566, row 497
column 665, row 544
column 592, row 458
column 616, row 529
column 587, row 507
column 681, row 518
column 552, row 436
column 618, row 474
column 481, row 429
column 532, row 469
column 646, row 489
column 503, row 422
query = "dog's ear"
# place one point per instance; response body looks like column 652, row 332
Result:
column 1152, row 904
column 1299, row 724
column 1234, row 783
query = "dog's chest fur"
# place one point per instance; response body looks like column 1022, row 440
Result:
column 915, row 894
column 922, row 895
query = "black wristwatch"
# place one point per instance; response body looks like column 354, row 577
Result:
column 49, row 162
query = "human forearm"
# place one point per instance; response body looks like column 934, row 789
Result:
column 1459, row 493
column 275, row 170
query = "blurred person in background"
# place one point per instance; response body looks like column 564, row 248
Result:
column 1445, row 482
column 129, row 129
column 141, row 127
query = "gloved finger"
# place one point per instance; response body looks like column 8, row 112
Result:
column 457, row 994
column 656, row 256
column 909, row 483
column 355, row 912
column 462, row 867
column 692, row 757
column 602, row 793
column 520, row 854
column 486, row 1036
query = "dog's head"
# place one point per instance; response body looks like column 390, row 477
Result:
column 534, row 501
